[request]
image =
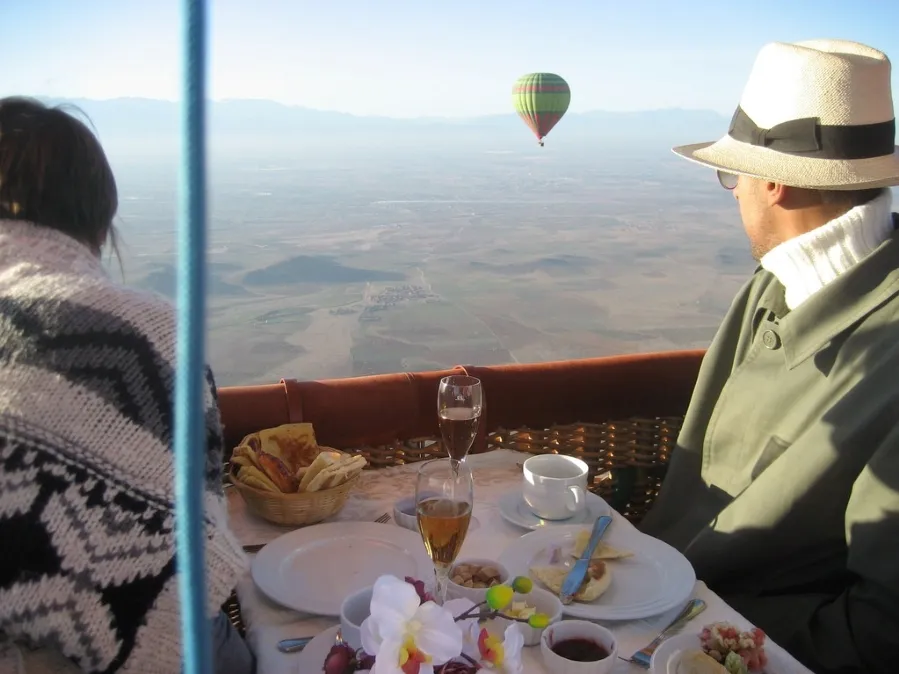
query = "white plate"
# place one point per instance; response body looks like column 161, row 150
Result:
column 656, row 579
column 779, row 661
column 313, row 569
column 514, row 510
column 312, row 658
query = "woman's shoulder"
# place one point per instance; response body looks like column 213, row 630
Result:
column 120, row 313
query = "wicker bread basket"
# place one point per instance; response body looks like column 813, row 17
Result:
column 292, row 509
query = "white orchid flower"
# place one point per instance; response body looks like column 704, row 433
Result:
column 479, row 644
column 469, row 626
column 405, row 636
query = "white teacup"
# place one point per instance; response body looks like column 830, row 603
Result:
column 555, row 486
column 355, row 609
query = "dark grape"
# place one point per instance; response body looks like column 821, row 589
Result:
column 341, row 659
column 419, row 586
column 457, row 667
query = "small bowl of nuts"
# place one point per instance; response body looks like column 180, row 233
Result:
column 470, row 578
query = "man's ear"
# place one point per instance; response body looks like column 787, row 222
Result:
column 776, row 193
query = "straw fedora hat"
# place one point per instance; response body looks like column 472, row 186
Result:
column 815, row 114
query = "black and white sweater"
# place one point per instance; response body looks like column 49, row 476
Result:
column 87, row 560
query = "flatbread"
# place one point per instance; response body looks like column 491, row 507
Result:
column 288, row 460
column 253, row 477
column 337, row 473
column 596, row 583
column 294, row 444
column 244, row 456
column 695, row 661
column 603, row 550
column 324, row 460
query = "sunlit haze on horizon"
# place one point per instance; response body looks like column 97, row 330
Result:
column 407, row 58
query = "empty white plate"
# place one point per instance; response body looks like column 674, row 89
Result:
column 514, row 510
column 656, row 579
column 313, row 569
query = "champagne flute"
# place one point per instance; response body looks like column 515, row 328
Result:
column 459, row 403
column 444, row 497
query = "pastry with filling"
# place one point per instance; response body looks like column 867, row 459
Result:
column 277, row 472
column 596, row 582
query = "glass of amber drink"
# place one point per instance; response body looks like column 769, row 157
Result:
column 444, row 497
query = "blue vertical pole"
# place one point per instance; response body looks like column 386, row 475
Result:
column 190, row 437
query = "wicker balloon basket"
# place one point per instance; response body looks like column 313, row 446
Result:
column 293, row 509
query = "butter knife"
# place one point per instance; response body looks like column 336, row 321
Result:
column 575, row 577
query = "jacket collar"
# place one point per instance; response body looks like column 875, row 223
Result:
column 840, row 304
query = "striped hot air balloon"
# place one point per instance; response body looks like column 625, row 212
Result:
column 541, row 99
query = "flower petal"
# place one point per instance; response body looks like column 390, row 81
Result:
column 513, row 639
column 459, row 606
column 393, row 603
column 470, row 633
column 371, row 636
column 513, row 642
column 439, row 636
column 388, row 660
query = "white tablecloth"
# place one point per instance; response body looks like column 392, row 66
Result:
column 495, row 473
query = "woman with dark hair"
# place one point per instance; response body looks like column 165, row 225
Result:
column 88, row 576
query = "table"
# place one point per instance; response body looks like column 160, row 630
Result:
column 495, row 473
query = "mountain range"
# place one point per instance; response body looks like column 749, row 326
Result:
column 153, row 120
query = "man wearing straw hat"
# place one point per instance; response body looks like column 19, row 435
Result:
column 784, row 489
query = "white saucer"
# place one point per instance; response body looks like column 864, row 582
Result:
column 515, row 511
column 312, row 658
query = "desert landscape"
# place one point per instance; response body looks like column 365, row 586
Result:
column 367, row 256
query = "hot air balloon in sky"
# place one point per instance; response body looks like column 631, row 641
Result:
column 541, row 99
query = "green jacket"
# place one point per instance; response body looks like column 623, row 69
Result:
column 784, row 489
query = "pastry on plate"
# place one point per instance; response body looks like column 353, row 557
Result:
column 596, row 582
column 603, row 550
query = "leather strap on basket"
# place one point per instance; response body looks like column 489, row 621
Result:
column 294, row 401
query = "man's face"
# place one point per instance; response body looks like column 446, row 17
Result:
column 755, row 212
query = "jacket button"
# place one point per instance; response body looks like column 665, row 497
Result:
column 770, row 339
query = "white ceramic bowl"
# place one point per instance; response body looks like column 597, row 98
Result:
column 475, row 594
column 354, row 610
column 578, row 629
column 545, row 602
column 404, row 513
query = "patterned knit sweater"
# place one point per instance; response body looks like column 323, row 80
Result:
column 87, row 561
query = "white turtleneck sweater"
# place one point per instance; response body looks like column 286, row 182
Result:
column 808, row 262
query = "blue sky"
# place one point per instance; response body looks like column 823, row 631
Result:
column 408, row 58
